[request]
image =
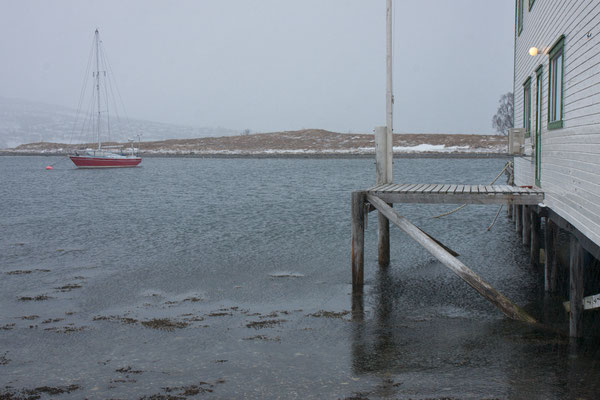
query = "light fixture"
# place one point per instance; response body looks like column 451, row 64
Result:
column 533, row 51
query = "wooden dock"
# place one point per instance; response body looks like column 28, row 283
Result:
column 456, row 194
column 382, row 196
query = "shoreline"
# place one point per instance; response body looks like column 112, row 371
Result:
column 285, row 155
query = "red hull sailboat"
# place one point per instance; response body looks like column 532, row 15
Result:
column 110, row 160
column 103, row 157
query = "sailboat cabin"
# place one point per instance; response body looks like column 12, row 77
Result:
column 557, row 105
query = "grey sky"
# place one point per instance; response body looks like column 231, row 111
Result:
column 269, row 65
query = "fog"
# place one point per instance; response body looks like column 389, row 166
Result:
column 269, row 65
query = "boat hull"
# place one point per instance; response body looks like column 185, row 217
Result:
column 105, row 162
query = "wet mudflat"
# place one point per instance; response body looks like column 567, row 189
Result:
column 193, row 278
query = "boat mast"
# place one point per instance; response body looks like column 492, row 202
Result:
column 98, row 85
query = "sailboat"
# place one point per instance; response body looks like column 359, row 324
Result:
column 103, row 157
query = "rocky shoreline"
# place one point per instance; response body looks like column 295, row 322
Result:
column 311, row 143
column 282, row 155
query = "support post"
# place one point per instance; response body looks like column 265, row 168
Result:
column 509, row 210
column 534, row 253
column 519, row 219
column 551, row 262
column 576, row 288
column 389, row 94
column 382, row 161
column 383, row 247
column 358, row 238
column 526, row 225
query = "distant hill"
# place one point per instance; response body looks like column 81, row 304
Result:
column 23, row 121
column 303, row 142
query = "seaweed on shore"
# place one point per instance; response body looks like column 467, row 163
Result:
column 66, row 329
column 40, row 297
column 34, row 394
column 164, row 324
column 25, row 271
column 220, row 314
column 263, row 338
column 183, row 392
column 193, row 299
column 4, row 360
column 69, row 287
column 269, row 323
column 125, row 320
column 51, row 320
column 329, row 314
column 128, row 370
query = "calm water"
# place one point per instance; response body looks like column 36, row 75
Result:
column 230, row 278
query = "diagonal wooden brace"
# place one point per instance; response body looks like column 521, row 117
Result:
column 509, row 309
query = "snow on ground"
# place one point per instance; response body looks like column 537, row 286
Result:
column 422, row 148
column 305, row 142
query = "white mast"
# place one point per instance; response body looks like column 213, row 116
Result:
column 389, row 95
column 98, row 86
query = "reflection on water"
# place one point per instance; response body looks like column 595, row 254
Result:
column 461, row 357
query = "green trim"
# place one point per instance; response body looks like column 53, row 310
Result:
column 539, row 93
column 514, row 91
column 539, row 70
column 555, row 125
column 531, row 3
column 557, row 46
column 527, row 107
column 557, row 49
column 519, row 16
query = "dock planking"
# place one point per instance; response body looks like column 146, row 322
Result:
column 457, row 194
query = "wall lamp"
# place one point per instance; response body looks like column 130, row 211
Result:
column 534, row 51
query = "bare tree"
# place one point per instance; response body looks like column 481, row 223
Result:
column 503, row 120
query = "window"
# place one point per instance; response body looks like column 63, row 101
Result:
column 555, row 84
column 527, row 107
column 519, row 16
column 531, row 4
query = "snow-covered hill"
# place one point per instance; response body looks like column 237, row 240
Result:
column 23, row 121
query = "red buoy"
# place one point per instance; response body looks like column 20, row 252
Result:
column 49, row 167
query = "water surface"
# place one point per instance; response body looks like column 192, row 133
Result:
column 230, row 278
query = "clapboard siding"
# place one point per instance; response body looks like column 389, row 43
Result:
column 570, row 171
column 525, row 177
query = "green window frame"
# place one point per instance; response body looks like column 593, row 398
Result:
column 539, row 74
column 556, row 85
column 527, row 107
column 539, row 93
column 531, row 3
column 519, row 16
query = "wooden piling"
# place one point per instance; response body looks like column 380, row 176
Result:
column 534, row 253
column 383, row 245
column 576, row 288
column 551, row 260
column 383, row 162
column 358, row 238
column 519, row 219
column 526, row 225
column 510, row 210
column 510, row 309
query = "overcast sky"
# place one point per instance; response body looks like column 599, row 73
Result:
column 269, row 65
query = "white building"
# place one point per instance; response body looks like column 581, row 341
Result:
column 557, row 102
